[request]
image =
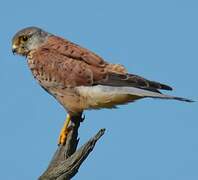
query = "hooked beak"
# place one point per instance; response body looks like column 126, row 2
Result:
column 14, row 49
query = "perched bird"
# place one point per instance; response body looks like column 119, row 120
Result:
column 78, row 78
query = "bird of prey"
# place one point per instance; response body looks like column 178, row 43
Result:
column 78, row 78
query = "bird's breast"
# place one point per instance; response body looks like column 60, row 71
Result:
column 66, row 96
column 44, row 73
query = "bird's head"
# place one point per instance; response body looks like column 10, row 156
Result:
column 28, row 39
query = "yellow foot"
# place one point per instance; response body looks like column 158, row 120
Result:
column 64, row 132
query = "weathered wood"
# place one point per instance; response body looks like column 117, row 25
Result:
column 67, row 160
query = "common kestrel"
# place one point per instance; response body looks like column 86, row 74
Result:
column 78, row 78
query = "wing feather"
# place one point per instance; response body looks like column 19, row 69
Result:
column 131, row 80
column 74, row 51
column 80, row 66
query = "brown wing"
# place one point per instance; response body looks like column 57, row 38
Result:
column 73, row 66
column 76, row 52
column 67, row 72
column 53, row 69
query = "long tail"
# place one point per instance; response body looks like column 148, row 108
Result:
column 173, row 98
column 141, row 92
column 147, row 93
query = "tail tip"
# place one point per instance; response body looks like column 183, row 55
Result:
column 184, row 99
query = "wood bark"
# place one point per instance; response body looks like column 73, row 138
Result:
column 67, row 159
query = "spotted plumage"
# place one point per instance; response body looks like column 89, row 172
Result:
column 78, row 78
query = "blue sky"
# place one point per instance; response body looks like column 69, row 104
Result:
column 147, row 140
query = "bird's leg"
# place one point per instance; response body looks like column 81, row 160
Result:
column 64, row 131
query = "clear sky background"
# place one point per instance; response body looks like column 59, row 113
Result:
column 147, row 140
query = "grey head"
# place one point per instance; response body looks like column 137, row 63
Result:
column 28, row 39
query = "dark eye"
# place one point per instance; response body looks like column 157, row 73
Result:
column 25, row 38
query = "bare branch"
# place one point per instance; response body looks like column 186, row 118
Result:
column 66, row 160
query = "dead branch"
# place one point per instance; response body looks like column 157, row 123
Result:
column 67, row 160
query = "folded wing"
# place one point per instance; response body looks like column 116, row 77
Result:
column 131, row 80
